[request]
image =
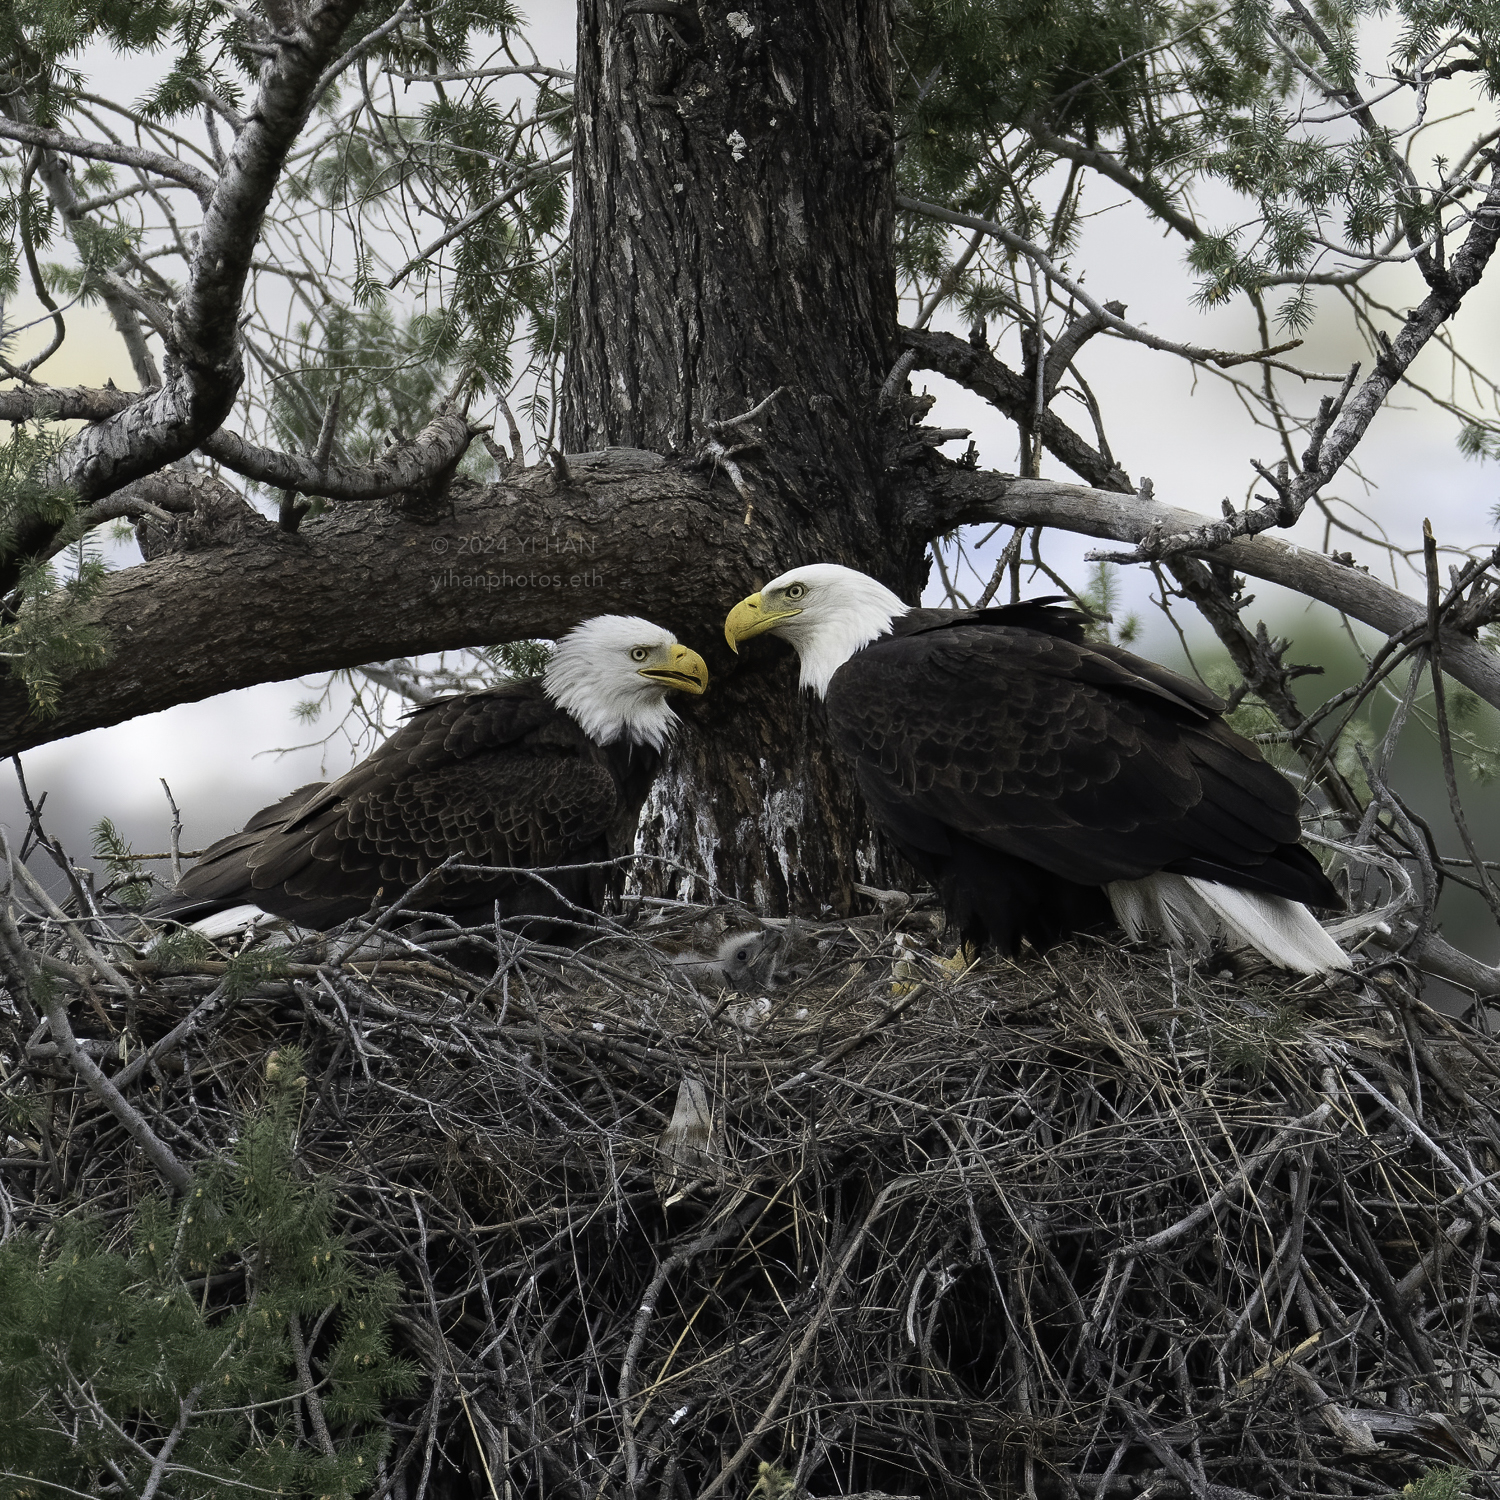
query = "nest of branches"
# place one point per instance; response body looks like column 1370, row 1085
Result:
column 1094, row 1224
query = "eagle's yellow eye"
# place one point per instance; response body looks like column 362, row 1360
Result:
column 796, row 590
column 640, row 653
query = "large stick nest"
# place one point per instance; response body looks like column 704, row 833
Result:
column 1097, row 1223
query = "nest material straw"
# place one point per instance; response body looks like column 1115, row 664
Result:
column 1095, row 1224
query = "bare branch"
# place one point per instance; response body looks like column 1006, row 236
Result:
column 746, row 417
column 1342, row 421
column 1106, row 164
column 1039, row 258
column 53, row 403
column 1438, row 956
column 396, row 681
column 419, row 465
column 1007, row 391
column 371, row 38
column 963, row 496
column 59, row 184
column 204, row 342
column 121, row 506
column 553, row 169
column 159, row 1463
column 126, row 156
column 1066, row 345
column 527, row 70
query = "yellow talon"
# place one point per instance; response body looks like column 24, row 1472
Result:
column 905, row 969
column 962, row 961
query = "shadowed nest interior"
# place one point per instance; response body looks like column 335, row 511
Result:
column 1090, row 1224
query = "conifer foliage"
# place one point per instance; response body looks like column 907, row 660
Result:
column 227, row 1341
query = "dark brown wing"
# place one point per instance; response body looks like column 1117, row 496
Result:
column 1089, row 762
column 1041, row 617
column 500, row 778
column 220, row 877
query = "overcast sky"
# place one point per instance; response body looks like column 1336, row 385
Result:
column 1186, row 431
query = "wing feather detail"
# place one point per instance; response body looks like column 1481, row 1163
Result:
column 1084, row 760
column 501, row 778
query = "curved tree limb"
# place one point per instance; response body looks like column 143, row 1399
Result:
column 427, row 459
column 417, row 465
column 205, row 366
column 965, row 496
column 63, row 403
column 624, row 531
column 1438, row 956
column 126, row 156
column 1157, row 198
column 1013, row 396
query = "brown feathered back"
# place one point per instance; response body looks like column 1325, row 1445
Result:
column 500, row 778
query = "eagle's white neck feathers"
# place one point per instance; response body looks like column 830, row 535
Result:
column 593, row 677
column 842, row 612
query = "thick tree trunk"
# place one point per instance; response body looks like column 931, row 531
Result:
column 732, row 237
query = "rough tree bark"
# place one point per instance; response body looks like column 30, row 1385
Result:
column 732, row 238
column 626, row 531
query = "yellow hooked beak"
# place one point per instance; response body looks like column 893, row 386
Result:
column 750, row 618
column 685, row 672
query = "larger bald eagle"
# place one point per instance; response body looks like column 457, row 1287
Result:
column 536, row 773
column 1045, row 783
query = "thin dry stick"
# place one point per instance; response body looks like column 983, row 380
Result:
column 664, row 1272
column 309, row 1387
column 21, row 971
column 766, row 1417
column 1440, row 709
column 1241, row 1179
column 169, row 1443
column 176, row 833
column 107, row 970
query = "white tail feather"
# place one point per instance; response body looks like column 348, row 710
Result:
column 234, row 920
column 1192, row 913
column 231, row 920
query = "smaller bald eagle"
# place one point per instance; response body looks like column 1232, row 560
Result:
column 1045, row 783
column 535, row 773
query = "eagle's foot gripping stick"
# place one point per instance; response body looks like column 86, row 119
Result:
column 904, row 977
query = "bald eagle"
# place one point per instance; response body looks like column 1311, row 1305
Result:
column 1047, row 784
column 532, row 774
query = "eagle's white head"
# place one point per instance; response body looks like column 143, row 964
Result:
column 826, row 611
column 613, row 674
